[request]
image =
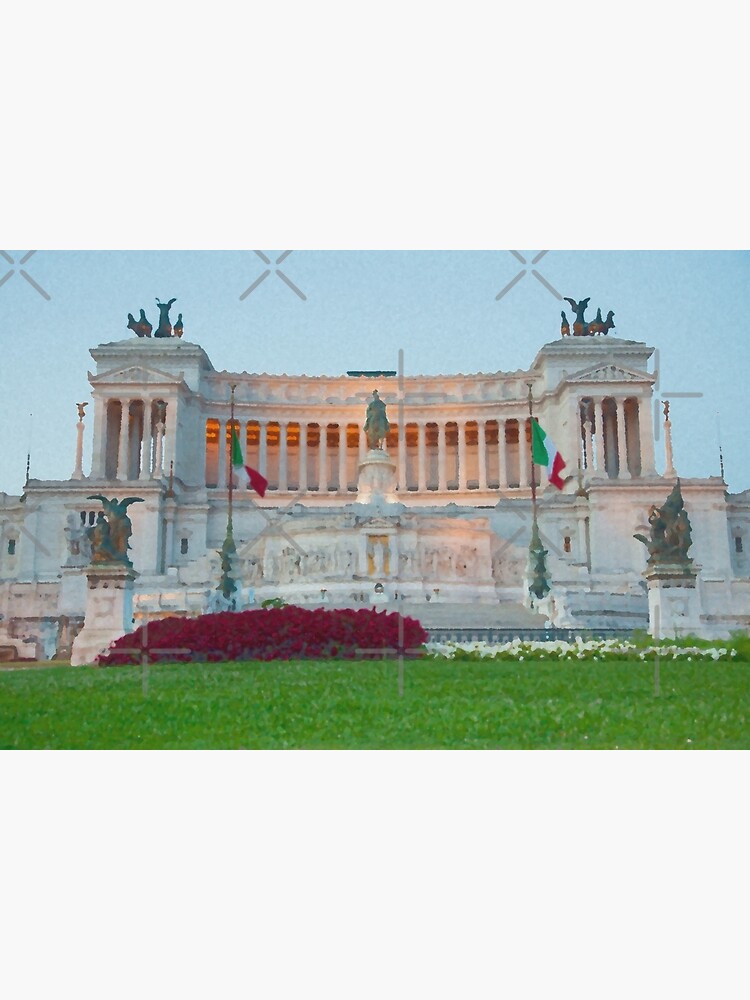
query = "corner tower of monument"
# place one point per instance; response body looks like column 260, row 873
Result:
column 145, row 412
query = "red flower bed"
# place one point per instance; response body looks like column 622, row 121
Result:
column 288, row 633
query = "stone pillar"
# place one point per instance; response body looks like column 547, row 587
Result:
column 421, row 457
column 302, row 457
column 669, row 469
column 599, row 408
column 109, row 611
column 482, row 454
column 648, row 467
column 502, row 458
column 342, row 488
column 461, row 428
column 78, row 471
column 283, row 469
column 524, row 459
column 146, row 442
column 323, row 459
column 99, row 451
column 622, row 451
column 159, row 456
column 402, row 484
column 674, row 606
column 123, row 450
column 262, row 448
column 442, row 479
column 377, row 478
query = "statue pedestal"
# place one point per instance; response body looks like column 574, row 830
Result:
column 377, row 478
column 674, row 607
column 109, row 610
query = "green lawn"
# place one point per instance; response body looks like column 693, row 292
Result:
column 335, row 704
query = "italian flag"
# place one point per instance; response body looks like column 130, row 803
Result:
column 545, row 453
column 244, row 473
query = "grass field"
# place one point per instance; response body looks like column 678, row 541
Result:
column 345, row 705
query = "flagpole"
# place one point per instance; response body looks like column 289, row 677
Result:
column 531, row 449
column 538, row 585
column 227, row 583
column 231, row 450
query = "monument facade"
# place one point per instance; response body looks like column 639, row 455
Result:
column 425, row 492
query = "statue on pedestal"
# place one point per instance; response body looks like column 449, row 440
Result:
column 671, row 534
column 376, row 423
column 110, row 535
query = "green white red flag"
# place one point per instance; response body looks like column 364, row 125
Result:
column 243, row 472
column 544, row 452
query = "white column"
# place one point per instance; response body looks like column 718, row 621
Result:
column 622, row 451
column 159, row 457
column 342, row 458
column 482, row 449
column 262, row 448
column 669, row 469
column 461, row 428
column 223, row 472
column 302, row 457
column 99, row 450
column 283, row 469
column 524, row 459
column 599, row 407
column 122, row 451
column 323, row 459
column 421, row 457
column 146, row 442
column 402, row 457
column 78, row 471
column 648, row 466
column 442, row 480
column 502, row 458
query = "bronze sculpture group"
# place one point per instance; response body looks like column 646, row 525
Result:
column 142, row 328
column 670, row 533
column 580, row 327
column 110, row 535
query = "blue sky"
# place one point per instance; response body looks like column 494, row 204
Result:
column 359, row 308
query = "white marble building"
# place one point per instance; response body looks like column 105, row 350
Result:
column 457, row 533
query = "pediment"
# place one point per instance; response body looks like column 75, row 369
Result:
column 612, row 373
column 136, row 375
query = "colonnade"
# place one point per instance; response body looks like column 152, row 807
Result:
column 135, row 439
column 615, row 437
column 459, row 454
column 430, row 455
